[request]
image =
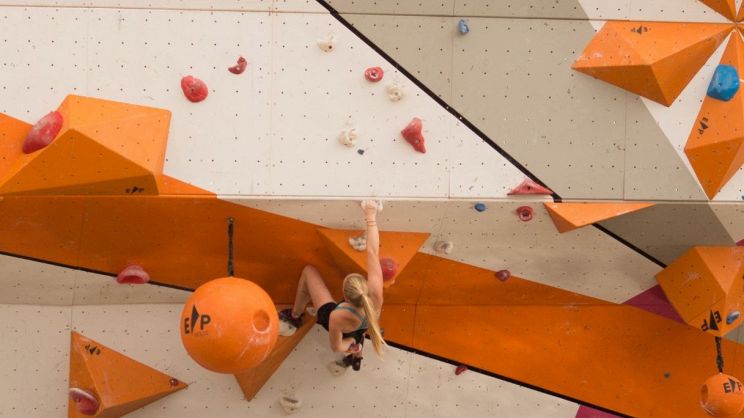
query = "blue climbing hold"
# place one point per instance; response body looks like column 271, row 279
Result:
column 724, row 84
column 462, row 25
column 732, row 317
column 480, row 207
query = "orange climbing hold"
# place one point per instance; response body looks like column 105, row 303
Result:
column 104, row 148
column 398, row 246
column 570, row 216
column 722, row 396
column 715, row 146
column 105, row 383
column 705, row 287
column 727, row 8
column 229, row 325
column 653, row 59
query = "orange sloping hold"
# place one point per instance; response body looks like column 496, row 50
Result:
column 714, row 146
column 252, row 381
column 104, row 148
column 570, row 216
column 705, row 286
column 655, row 60
column 120, row 383
column 727, row 8
column 400, row 246
column 12, row 134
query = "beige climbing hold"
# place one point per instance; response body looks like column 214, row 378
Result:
column 395, row 92
column 337, row 368
column 311, row 311
column 285, row 329
column 359, row 242
column 328, row 44
column 444, row 247
column 348, row 137
column 372, row 203
column 290, row 403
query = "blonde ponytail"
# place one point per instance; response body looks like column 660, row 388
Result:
column 357, row 292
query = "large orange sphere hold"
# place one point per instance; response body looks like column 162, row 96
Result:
column 229, row 325
column 722, row 396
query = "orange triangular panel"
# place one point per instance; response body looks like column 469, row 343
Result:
column 569, row 216
column 714, row 146
column 77, row 164
column 252, row 381
column 740, row 14
column 12, row 134
column 706, row 282
column 172, row 186
column 400, row 246
column 120, row 383
column 653, row 59
column 137, row 133
column 727, row 8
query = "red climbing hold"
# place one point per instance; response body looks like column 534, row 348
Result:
column 194, row 89
column 529, row 186
column 525, row 213
column 412, row 134
column 43, row 132
column 239, row 67
column 740, row 243
column 389, row 268
column 85, row 401
column 374, row 74
column 503, row 275
column 460, row 369
column 133, row 274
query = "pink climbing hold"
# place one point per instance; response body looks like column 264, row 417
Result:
column 239, row 67
column 389, row 268
column 525, row 213
column 460, row 369
column 194, row 89
column 85, row 401
column 529, row 186
column 374, row 74
column 133, row 274
column 412, row 134
column 740, row 243
column 503, row 275
column 43, row 132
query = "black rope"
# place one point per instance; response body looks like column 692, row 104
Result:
column 719, row 356
column 230, row 264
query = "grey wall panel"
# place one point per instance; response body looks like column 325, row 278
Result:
column 667, row 230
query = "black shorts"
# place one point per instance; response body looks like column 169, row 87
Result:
column 324, row 317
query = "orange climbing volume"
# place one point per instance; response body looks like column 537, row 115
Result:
column 655, row 60
column 715, row 146
column 727, row 8
column 114, row 383
column 570, row 216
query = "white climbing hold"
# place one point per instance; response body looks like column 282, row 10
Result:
column 372, row 203
column 328, row 44
column 337, row 368
column 286, row 329
column 348, row 137
column 359, row 242
column 395, row 92
column 444, row 247
column 290, row 403
column 311, row 311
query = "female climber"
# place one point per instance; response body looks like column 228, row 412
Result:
column 349, row 320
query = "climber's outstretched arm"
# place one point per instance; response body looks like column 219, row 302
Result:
column 374, row 270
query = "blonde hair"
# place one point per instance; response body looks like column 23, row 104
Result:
column 357, row 293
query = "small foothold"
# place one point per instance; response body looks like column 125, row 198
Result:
column 286, row 329
column 732, row 317
column 359, row 242
column 463, row 27
column 395, row 92
column 444, row 247
column 524, row 213
column 360, row 151
column 337, row 368
column 173, row 382
column 374, row 74
column 503, row 275
column 389, row 268
column 348, row 137
column 194, row 89
column 133, row 274
column 328, row 44
column 43, row 132
column 239, row 67
column 529, row 186
column 460, row 369
column 290, row 403
column 413, row 135
column 480, row 207
column 724, row 84
column 85, row 401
